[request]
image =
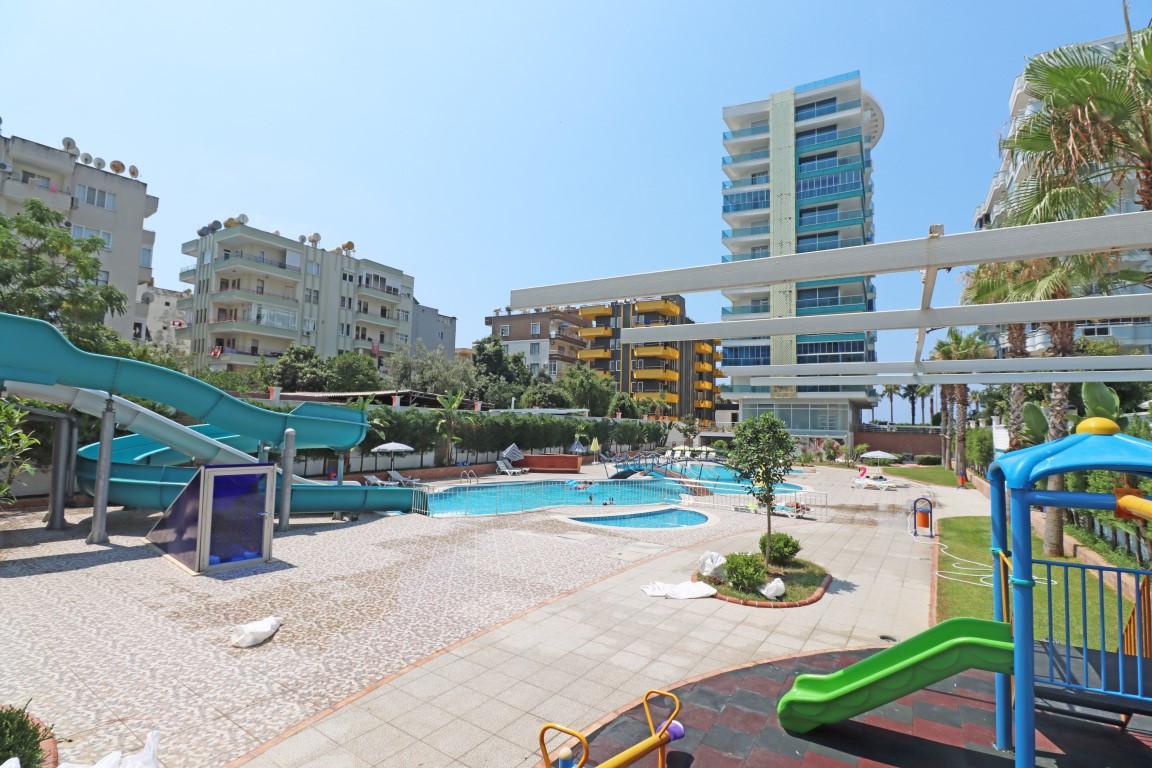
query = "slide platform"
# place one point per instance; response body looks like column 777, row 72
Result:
column 944, row 650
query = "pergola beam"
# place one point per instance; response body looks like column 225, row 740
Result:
column 1006, row 365
column 1118, row 233
column 1055, row 310
column 925, row 303
column 1028, row 377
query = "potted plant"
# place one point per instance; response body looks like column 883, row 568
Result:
column 24, row 737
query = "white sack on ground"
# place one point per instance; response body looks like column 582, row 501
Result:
column 711, row 564
column 255, row 632
column 686, row 590
column 773, row 589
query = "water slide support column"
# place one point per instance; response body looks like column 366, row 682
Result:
column 287, row 463
column 99, row 532
column 58, row 489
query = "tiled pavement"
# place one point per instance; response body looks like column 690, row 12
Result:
column 730, row 722
column 111, row 642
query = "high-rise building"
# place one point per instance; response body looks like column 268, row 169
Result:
column 1133, row 334
column 547, row 337
column 96, row 200
column 799, row 180
column 434, row 330
column 256, row 292
column 682, row 375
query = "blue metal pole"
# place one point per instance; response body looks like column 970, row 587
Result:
column 999, row 610
column 1022, row 630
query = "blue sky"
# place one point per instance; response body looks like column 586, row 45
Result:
column 487, row 146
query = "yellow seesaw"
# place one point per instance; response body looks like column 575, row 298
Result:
column 667, row 732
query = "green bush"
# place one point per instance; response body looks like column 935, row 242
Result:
column 746, row 571
column 928, row 459
column 20, row 737
column 782, row 550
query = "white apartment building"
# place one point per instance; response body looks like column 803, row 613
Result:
column 96, row 200
column 257, row 292
column 799, row 179
column 159, row 317
column 1134, row 334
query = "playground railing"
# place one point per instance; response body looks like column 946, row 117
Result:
column 1094, row 624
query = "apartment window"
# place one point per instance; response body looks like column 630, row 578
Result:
column 760, row 251
column 146, row 257
column 96, row 197
column 815, row 109
column 309, row 325
column 260, row 287
column 534, row 329
column 819, row 215
column 829, row 352
column 815, row 135
column 553, row 368
column 760, row 177
column 613, row 343
column 83, row 233
column 833, row 183
column 533, row 348
column 534, row 368
column 747, row 201
column 505, row 331
column 35, row 179
column 757, row 354
column 102, row 277
column 819, row 242
column 818, row 162
column 613, row 365
column 817, row 297
column 505, row 348
column 313, row 268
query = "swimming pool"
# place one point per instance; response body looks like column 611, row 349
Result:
column 661, row 518
column 709, row 472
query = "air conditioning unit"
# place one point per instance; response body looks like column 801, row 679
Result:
column 6, row 168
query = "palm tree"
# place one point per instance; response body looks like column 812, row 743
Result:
column 909, row 393
column 924, row 391
column 960, row 346
column 991, row 284
column 890, row 391
column 450, row 419
column 946, row 423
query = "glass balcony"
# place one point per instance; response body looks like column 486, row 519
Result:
column 829, row 138
column 755, row 309
column 743, row 133
column 760, row 154
column 824, row 218
column 810, row 112
column 188, row 274
column 229, row 259
column 757, row 205
column 842, row 78
column 807, row 167
column 845, row 242
column 831, row 301
column 830, row 190
column 743, row 256
column 764, row 229
column 751, row 181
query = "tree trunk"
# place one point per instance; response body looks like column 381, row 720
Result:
column 946, row 425
column 961, row 433
column 1062, row 336
column 891, row 409
column 912, row 402
column 1017, row 347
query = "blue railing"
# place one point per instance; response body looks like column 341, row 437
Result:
column 751, row 181
column 760, row 154
column 741, row 133
column 1093, row 638
column 755, row 205
column 746, row 232
column 831, row 189
column 745, row 310
column 843, row 242
column 831, row 217
column 743, row 256
column 853, row 75
column 826, row 136
column 808, row 168
column 832, row 301
column 810, row 111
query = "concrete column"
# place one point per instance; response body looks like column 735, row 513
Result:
column 60, row 481
column 99, row 532
column 287, row 460
column 340, row 459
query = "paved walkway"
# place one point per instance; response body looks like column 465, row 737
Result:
column 579, row 658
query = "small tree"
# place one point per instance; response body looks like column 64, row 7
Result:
column 689, row 427
column 352, row 372
column 587, row 389
column 15, row 447
column 447, row 425
column 546, row 395
column 624, row 405
column 300, row 369
column 762, row 451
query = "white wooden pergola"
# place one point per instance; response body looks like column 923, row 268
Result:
column 1118, row 233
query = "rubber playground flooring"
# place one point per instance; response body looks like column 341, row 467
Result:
column 730, row 722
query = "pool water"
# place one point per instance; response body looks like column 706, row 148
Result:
column 501, row 498
column 709, row 472
column 663, row 518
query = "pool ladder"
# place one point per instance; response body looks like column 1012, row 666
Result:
column 469, row 477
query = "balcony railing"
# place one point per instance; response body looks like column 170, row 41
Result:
column 831, row 301
column 247, row 294
column 832, row 217
column 809, row 112
column 751, row 181
column 376, row 317
column 756, row 205
column 257, row 320
column 388, row 292
column 807, row 167
column 831, row 189
column 805, row 143
column 256, row 258
column 728, row 234
column 743, row 133
column 760, row 154
column 844, row 242
column 743, row 256
column 756, row 309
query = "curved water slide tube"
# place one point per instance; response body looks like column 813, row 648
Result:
column 143, row 471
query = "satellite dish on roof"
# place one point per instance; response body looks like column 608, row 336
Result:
column 203, row 231
column 86, row 158
column 314, row 238
column 215, row 226
column 242, row 218
column 99, row 163
column 68, row 142
column 147, row 297
column 302, row 239
column 116, row 166
column 349, row 246
column 230, row 222
column 133, row 171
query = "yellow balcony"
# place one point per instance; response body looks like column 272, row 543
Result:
column 703, row 348
column 702, row 403
column 655, row 374
column 659, row 306
column 717, row 355
column 705, row 385
column 666, row 397
column 596, row 310
column 718, row 374
column 701, row 367
column 594, row 354
column 660, row 351
column 595, row 333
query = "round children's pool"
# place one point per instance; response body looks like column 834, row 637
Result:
column 661, row 518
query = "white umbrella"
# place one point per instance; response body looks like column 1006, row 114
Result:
column 577, row 447
column 512, row 453
column 392, row 449
column 879, row 455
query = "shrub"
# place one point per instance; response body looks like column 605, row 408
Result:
column 782, row 550
column 746, row 571
column 20, row 737
column 927, row 459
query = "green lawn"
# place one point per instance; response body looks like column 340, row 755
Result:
column 958, row 594
column 930, row 475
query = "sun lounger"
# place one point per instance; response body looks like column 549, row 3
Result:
column 405, row 482
column 504, row 467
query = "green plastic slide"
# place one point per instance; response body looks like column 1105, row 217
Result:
column 944, row 650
